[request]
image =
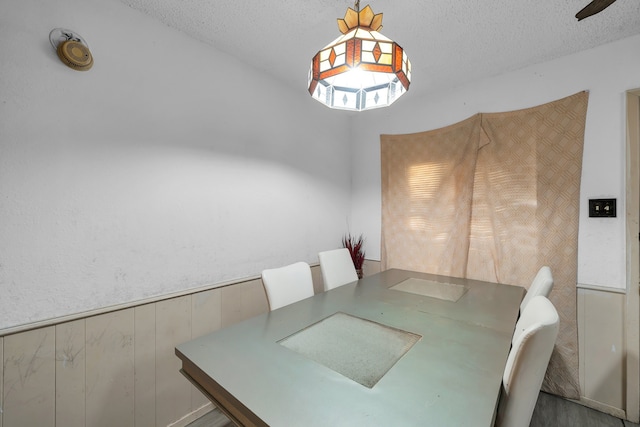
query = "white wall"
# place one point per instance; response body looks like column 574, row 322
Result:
column 148, row 174
column 606, row 72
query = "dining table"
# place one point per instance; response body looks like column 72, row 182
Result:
column 397, row 348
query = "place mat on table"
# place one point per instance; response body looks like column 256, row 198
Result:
column 357, row 348
column 429, row 288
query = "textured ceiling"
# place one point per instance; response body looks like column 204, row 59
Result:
column 449, row 42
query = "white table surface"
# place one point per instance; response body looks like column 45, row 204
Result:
column 450, row 377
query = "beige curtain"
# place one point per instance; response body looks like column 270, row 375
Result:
column 493, row 198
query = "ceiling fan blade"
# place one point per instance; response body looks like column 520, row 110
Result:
column 592, row 8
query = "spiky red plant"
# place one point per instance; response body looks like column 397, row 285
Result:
column 354, row 245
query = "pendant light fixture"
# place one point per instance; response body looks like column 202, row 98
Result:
column 361, row 69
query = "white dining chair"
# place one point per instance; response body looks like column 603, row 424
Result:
column 288, row 284
column 532, row 344
column 541, row 285
column 337, row 268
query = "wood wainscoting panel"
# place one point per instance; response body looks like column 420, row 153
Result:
column 371, row 267
column 206, row 317
column 206, row 312
column 110, row 369
column 145, row 365
column 242, row 301
column 117, row 368
column 602, row 349
column 70, row 374
column 316, row 277
column 29, row 378
column 173, row 391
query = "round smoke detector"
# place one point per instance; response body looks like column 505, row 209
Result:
column 71, row 48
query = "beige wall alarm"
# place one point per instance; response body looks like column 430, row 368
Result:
column 71, row 48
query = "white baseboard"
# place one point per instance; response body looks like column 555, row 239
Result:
column 191, row 417
column 602, row 407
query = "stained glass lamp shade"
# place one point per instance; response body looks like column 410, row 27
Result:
column 362, row 69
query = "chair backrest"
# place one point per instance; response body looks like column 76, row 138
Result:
column 288, row 284
column 532, row 345
column 541, row 285
column 337, row 268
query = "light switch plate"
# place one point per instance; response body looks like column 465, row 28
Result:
column 602, row 208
